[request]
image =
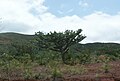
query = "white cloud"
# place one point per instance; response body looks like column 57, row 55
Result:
column 83, row 4
column 97, row 26
column 15, row 27
column 38, row 5
column 18, row 11
column 65, row 12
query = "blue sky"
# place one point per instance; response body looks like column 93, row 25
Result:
column 81, row 8
column 99, row 19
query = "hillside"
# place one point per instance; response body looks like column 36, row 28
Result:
column 23, row 60
column 7, row 38
column 97, row 46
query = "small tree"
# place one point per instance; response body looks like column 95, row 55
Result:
column 59, row 41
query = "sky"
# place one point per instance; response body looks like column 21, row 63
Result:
column 99, row 19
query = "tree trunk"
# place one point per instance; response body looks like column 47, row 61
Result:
column 63, row 52
column 64, row 59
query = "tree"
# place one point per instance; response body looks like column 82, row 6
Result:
column 59, row 41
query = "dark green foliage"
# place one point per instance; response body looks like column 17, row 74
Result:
column 24, row 47
column 11, row 42
column 44, row 57
column 59, row 41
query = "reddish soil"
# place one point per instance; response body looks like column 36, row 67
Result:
column 94, row 74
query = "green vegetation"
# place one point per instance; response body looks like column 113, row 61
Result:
column 22, row 55
column 104, row 59
column 59, row 42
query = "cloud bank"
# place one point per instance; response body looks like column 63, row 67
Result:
column 30, row 16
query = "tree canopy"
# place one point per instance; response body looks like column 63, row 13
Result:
column 59, row 41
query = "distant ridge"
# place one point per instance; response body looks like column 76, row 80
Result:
column 6, row 38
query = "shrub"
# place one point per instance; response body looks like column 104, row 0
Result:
column 78, row 69
column 54, row 68
column 105, row 60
